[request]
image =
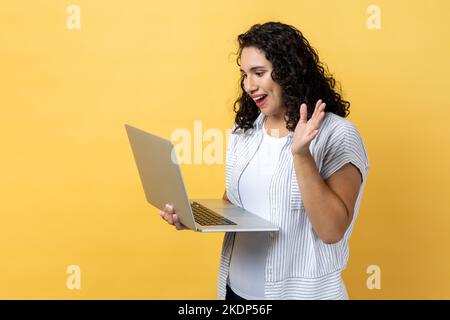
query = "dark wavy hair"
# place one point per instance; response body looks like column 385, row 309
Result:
column 296, row 68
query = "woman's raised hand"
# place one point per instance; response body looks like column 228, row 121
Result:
column 306, row 130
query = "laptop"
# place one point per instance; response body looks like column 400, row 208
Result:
column 162, row 181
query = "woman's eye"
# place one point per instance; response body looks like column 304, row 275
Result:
column 259, row 74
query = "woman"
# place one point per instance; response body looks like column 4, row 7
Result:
column 295, row 160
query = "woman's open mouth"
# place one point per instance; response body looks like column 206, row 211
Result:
column 261, row 101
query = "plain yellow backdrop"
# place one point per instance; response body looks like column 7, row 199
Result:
column 70, row 191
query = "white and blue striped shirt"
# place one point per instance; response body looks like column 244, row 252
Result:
column 299, row 265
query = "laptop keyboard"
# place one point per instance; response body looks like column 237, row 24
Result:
column 207, row 217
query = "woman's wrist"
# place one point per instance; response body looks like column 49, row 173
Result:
column 301, row 154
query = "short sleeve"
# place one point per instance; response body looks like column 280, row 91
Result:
column 344, row 145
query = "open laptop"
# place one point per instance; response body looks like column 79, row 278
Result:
column 161, row 178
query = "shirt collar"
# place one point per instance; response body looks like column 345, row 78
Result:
column 258, row 125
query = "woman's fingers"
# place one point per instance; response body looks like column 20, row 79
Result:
column 177, row 223
column 169, row 218
column 318, row 113
column 316, row 108
column 320, row 106
column 168, row 208
column 316, row 120
column 167, row 214
column 303, row 113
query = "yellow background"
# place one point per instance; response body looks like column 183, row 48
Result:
column 70, row 191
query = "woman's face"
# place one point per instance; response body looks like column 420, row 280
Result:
column 258, row 82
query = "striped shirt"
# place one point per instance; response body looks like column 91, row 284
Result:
column 299, row 265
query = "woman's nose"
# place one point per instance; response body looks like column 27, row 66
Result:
column 250, row 85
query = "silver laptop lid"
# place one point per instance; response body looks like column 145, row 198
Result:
column 160, row 174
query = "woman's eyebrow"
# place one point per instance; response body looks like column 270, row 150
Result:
column 253, row 68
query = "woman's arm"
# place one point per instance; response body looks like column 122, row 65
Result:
column 329, row 204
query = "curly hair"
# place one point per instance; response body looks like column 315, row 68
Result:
column 296, row 68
